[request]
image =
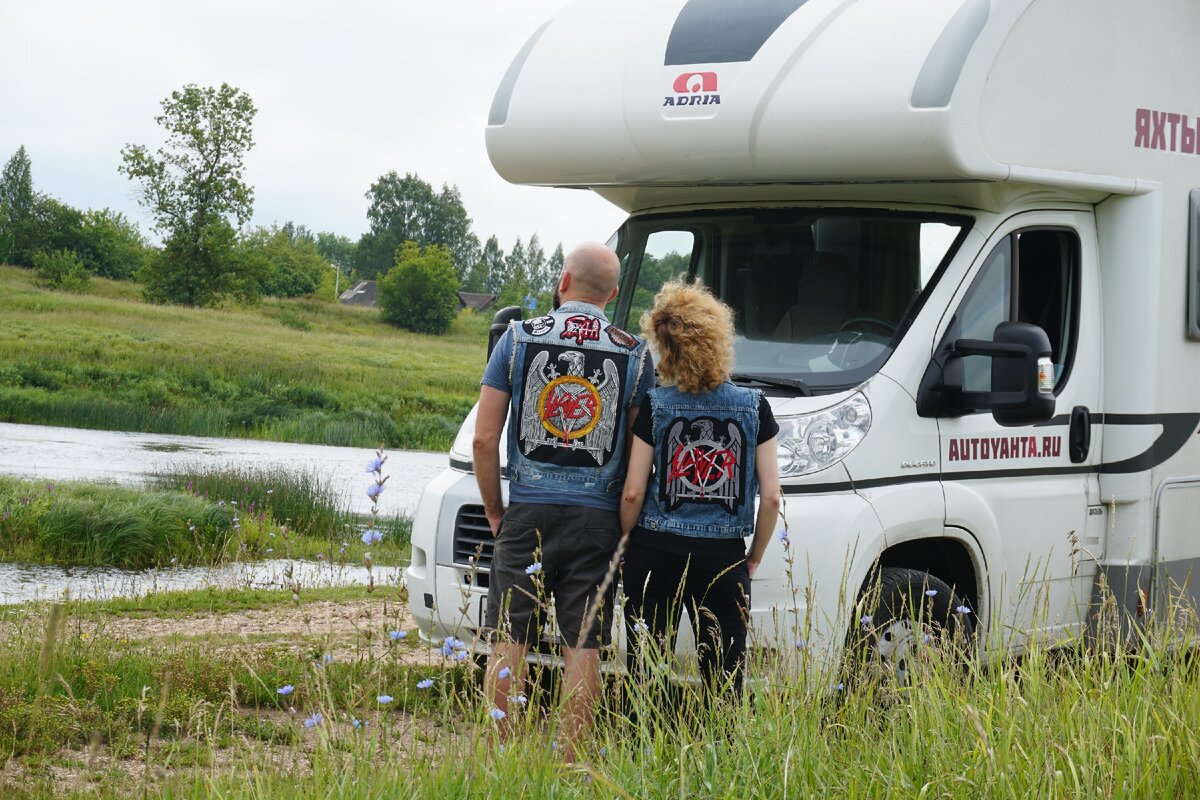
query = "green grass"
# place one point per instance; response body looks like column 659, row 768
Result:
column 203, row 517
column 214, row 600
column 206, row 718
column 300, row 370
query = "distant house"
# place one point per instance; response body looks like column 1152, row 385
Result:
column 475, row 302
column 364, row 294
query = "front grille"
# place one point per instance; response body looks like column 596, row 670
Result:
column 471, row 530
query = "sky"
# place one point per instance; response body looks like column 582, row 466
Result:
column 345, row 92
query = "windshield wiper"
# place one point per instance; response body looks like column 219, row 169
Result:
column 775, row 380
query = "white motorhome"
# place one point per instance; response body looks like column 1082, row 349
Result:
column 962, row 239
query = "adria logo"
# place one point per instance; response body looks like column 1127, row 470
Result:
column 696, row 88
column 690, row 82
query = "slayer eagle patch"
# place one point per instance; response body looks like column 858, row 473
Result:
column 570, row 406
column 704, row 463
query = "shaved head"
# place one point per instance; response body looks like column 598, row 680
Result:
column 590, row 274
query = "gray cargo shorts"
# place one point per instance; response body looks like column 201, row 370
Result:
column 575, row 546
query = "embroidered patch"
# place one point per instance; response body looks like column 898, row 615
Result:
column 620, row 338
column 570, row 406
column 704, row 463
column 581, row 328
column 538, row 326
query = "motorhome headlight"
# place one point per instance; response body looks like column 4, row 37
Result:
column 812, row 442
column 462, row 449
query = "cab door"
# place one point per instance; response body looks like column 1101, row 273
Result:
column 1024, row 492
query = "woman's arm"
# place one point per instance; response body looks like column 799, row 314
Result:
column 766, row 458
column 640, row 457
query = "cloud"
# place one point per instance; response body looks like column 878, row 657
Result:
column 344, row 93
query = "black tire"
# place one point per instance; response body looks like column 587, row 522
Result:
column 912, row 610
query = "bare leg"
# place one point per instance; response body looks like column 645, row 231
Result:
column 498, row 689
column 581, row 690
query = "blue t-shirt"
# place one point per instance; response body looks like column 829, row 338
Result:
column 496, row 376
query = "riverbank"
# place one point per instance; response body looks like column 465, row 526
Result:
column 330, row 694
column 206, row 517
column 297, row 370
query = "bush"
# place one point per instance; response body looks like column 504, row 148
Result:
column 420, row 292
column 61, row 269
column 112, row 246
column 283, row 262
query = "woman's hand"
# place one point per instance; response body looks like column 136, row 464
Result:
column 752, row 562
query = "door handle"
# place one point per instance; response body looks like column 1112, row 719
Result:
column 1079, row 438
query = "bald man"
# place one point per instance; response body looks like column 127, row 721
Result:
column 570, row 384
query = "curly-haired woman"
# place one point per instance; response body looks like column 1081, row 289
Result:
column 702, row 450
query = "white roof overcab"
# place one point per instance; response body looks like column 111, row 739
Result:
column 834, row 91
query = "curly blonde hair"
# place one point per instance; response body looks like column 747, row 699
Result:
column 692, row 335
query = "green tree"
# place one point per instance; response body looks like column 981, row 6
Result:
column 409, row 210
column 554, row 267
column 419, row 293
column 17, row 202
column 111, row 246
column 284, row 261
column 336, row 249
column 492, row 266
column 516, row 276
column 194, row 189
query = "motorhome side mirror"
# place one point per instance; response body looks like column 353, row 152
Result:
column 500, row 325
column 1022, row 377
column 1022, row 384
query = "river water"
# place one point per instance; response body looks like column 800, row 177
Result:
column 61, row 454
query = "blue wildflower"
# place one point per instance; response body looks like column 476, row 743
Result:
column 801, row 644
column 313, row 721
column 866, row 620
column 518, row 699
column 534, row 568
column 374, row 490
column 425, row 684
column 459, row 655
column 286, row 690
column 783, row 535
column 963, row 610
column 497, row 714
column 504, row 673
column 640, row 626
column 396, row 636
column 357, row 723
column 931, row 592
column 926, row 639
column 372, row 536
column 839, row 686
column 376, row 464
column 384, row 699
column 327, row 658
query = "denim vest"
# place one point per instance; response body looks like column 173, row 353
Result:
column 573, row 376
column 703, row 483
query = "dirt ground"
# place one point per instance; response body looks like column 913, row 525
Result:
column 358, row 624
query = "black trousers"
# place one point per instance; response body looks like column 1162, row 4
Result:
column 708, row 577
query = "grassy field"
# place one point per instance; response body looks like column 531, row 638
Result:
column 300, row 370
column 180, row 696
column 204, row 518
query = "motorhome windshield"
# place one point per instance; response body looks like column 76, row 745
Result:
column 821, row 296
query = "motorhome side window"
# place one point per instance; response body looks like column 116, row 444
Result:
column 1032, row 276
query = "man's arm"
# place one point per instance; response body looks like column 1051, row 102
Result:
column 489, row 422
